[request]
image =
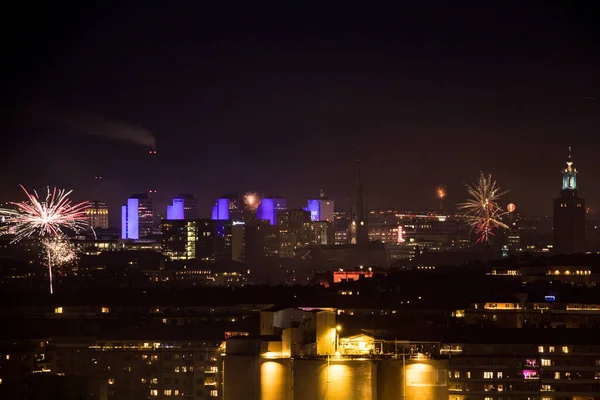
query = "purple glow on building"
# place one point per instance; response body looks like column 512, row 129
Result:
column 266, row 210
column 130, row 220
column 220, row 210
column 314, row 207
column 175, row 211
column 123, row 222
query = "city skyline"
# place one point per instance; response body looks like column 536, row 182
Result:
column 275, row 101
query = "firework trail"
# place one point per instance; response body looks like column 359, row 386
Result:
column 252, row 200
column 47, row 218
column 481, row 209
column 59, row 253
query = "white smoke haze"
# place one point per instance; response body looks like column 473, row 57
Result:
column 91, row 125
column 82, row 124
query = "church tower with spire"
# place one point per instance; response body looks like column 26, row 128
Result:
column 362, row 229
column 569, row 214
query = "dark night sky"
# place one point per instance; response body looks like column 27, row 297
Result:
column 276, row 100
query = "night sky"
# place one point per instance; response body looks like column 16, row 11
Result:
column 276, row 100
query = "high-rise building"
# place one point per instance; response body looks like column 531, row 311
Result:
column 321, row 209
column 183, row 207
column 195, row 239
column 360, row 222
column 137, row 217
column 227, row 207
column 569, row 214
column 97, row 214
column 291, row 230
column 269, row 208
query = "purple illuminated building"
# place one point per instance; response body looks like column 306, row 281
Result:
column 220, row 211
column 176, row 210
column 268, row 208
column 137, row 217
column 321, row 209
column 130, row 220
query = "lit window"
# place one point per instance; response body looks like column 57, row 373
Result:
column 214, row 393
column 499, row 375
column 167, row 392
column 457, row 374
column 565, row 349
column 546, row 388
column 468, row 374
column 551, row 348
column 155, row 381
column 541, row 348
column 176, row 369
column 557, row 375
column 153, row 392
column 176, row 392
column 58, row 310
column 111, row 381
column 488, row 375
column 546, row 362
column 105, row 310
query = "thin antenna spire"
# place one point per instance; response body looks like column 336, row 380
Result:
column 569, row 152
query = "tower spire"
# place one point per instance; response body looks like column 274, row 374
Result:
column 362, row 233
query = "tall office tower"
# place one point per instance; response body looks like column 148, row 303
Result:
column 291, row 224
column 569, row 214
column 190, row 206
column 360, row 221
column 269, row 208
column 321, row 209
column 97, row 214
column 183, row 207
column 227, row 207
column 195, row 239
column 137, row 217
column 175, row 210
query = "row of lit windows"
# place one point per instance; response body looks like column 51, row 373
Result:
column 552, row 349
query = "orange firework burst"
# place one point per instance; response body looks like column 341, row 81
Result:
column 251, row 200
column 440, row 193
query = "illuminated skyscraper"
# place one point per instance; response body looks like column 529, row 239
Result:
column 569, row 214
column 321, row 209
column 183, row 207
column 268, row 208
column 97, row 214
column 227, row 207
column 137, row 217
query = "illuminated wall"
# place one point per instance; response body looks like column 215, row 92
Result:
column 314, row 209
column 130, row 220
column 220, row 210
column 321, row 210
column 176, row 211
column 267, row 210
column 335, row 379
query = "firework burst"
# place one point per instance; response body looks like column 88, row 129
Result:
column 251, row 200
column 481, row 209
column 440, row 194
column 60, row 253
column 47, row 217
